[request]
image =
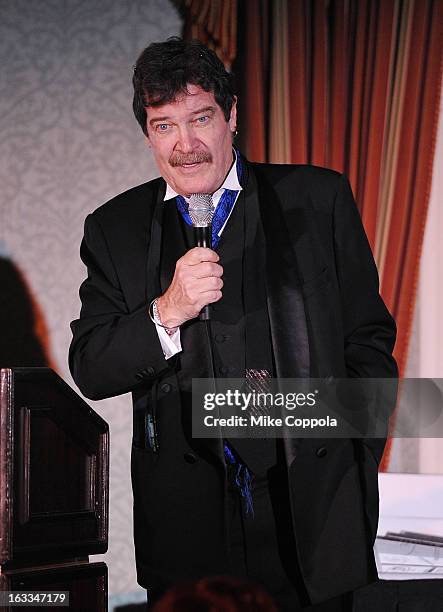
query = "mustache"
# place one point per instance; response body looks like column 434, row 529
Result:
column 179, row 159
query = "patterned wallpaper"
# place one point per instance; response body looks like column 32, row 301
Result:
column 69, row 142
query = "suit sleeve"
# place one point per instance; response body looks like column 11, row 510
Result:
column 113, row 350
column 369, row 329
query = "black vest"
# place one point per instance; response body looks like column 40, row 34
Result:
column 239, row 325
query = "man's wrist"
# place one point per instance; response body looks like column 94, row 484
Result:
column 156, row 315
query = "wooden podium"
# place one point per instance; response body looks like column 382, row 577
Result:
column 54, row 470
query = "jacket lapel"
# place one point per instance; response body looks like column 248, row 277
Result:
column 286, row 310
column 154, row 249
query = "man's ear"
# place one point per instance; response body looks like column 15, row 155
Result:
column 147, row 141
column 233, row 115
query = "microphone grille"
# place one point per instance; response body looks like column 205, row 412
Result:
column 201, row 209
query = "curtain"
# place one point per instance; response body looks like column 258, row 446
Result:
column 213, row 22
column 352, row 85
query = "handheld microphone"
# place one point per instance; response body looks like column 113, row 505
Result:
column 201, row 211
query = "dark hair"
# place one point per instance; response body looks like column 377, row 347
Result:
column 163, row 71
column 221, row 593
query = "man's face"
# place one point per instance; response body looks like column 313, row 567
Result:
column 192, row 141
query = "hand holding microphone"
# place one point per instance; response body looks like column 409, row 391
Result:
column 197, row 278
column 196, row 283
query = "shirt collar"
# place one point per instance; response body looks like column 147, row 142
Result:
column 231, row 182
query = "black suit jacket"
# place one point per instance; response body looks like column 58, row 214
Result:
column 326, row 320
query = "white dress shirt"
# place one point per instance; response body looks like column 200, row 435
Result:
column 172, row 344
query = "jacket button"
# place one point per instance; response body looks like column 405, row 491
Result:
column 322, row 451
column 220, row 338
column 165, row 387
column 190, row 457
column 223, row 370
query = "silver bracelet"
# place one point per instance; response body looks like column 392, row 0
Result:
column 155, row 317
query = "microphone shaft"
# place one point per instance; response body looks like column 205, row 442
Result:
column 203, row 238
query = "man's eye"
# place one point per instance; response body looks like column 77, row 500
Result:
column 162, row 127
column 202, row 119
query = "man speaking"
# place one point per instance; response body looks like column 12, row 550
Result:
column 292, row 291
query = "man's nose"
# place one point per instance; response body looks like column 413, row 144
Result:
column 186, row 139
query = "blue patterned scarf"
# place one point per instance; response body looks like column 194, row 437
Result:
column 223, row 210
